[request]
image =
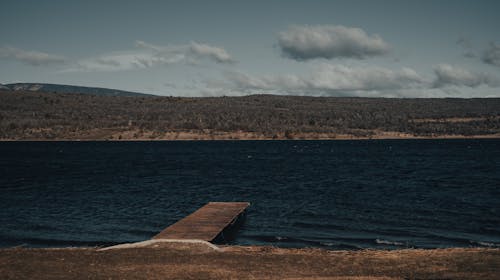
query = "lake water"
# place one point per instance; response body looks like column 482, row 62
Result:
column 330, row 194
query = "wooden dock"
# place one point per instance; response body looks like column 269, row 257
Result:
column 209, row 223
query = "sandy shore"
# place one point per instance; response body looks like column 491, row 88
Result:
column 198, row 261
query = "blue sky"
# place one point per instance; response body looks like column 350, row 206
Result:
column 212, row 48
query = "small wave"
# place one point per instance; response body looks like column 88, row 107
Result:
column 283, row 239
column 340, row 246
column 299, row 242
column 485, row 244
column 387, row 242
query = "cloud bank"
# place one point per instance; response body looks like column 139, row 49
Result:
column 148, row 55
column 361, row 80
column 330, row 41
column 448, row 75
column 332, row 79
column 33, row 58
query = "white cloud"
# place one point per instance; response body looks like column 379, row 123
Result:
column 333, row 79
column 217, row 54
column 189, row 53
column 492, row 55
column 126, row 60
column 148, row 55
column 33, row 58
column 330, row 41
column 448, row 75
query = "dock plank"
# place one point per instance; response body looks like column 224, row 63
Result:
column 205, row 223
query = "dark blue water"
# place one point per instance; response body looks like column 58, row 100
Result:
column 333, row 194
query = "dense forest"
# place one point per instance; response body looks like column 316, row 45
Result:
column 37, row 115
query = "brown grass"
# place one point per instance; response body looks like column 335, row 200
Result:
column 170, row 261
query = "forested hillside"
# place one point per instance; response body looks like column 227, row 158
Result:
column 35, row 115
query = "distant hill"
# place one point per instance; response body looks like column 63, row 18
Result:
column 56, row 88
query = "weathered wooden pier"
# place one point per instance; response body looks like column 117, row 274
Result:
column 214, row 222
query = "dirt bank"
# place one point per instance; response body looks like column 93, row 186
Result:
column 136, row 135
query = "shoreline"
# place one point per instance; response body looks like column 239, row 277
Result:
column 198, row 261
column 248, row 136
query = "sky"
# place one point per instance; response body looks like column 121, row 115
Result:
column 370, row 48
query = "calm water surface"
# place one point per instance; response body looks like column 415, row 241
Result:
column 331, row 194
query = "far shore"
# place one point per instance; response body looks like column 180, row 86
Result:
column 190, row 261
column 114, row 135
